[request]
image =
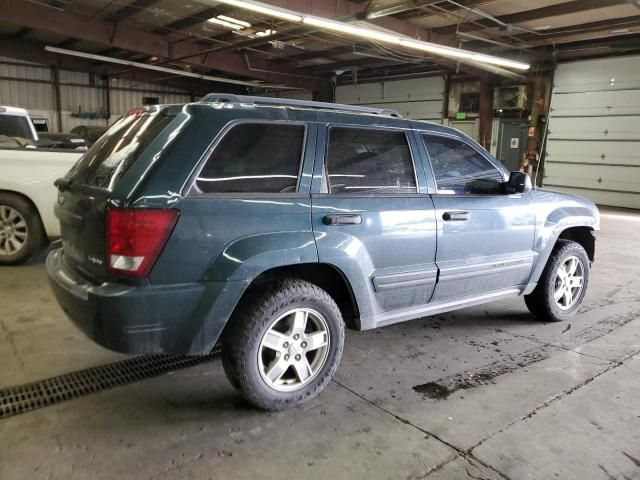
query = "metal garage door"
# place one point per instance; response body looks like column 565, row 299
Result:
column 418, row 98
column 593, row 146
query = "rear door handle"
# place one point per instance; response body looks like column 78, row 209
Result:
column 342, row 220
column 455, row 216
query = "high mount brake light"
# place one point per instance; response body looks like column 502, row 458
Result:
column 135, row 238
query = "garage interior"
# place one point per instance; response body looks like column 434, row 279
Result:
column 486, row 392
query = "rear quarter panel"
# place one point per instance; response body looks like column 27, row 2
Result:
column 31, row 173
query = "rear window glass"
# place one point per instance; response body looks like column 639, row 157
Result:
column 15, row 126
column 255, row 158
column 113, row 154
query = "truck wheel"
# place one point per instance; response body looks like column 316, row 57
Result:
column 283, row 344
column 21, row 232
column 562, row 285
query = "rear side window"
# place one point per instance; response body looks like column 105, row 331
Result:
column 366, row 161
column 255, row 158
column 113, row 154
column 459, row 168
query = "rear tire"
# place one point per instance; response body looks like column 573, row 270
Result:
column 562, row 285
column 21, row 232
column 283, row 344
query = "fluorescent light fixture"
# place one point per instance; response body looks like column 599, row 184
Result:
column 463, row 54
column 230, row 25
column 364, row 32
column 370, row 34
column 234, row 20
column 620, row 30
column 266, row 33
column 157, row 68
column 264, row 9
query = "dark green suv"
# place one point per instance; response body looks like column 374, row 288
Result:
column 268, row 225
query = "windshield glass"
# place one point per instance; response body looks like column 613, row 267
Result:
column 111, row 156
column 15, row 126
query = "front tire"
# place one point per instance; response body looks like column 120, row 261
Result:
column 562, row 285
column 283, row 344
column 21, row 232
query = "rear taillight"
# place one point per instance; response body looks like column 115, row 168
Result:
column 135, row 238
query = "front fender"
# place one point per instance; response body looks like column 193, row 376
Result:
column 555, row 213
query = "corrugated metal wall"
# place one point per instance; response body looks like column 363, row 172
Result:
column 593, row 146
column 82, row 92
column 417, row 98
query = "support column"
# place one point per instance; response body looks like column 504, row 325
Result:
column 487, row 83
column 107, row 96
column 532, row 155
column 55, row 77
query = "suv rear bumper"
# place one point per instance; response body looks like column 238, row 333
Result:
column 138, row 320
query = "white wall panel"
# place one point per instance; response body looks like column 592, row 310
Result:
column 417, row 98
column 292, row 94
column 593, row 142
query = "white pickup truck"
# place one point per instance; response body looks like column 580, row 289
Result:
column 27, row 193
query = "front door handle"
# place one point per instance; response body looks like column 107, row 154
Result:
column 342, row 220
column 456, row 216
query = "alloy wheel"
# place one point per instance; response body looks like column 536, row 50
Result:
column 569, row 282
column 294, row 349
column 13, row 231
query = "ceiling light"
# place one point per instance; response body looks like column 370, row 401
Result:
column 264, row 9
column 620, row 30
column 342, row 27
column 463, row 54
column 543, row 27
column 266, row 33
column 234, row 20
column 230, row 25
column 370, row 33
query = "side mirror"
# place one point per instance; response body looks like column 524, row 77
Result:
column 519, row 182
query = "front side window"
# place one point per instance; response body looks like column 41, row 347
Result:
column 366, row 161
column 459, row 168
column 255, row 158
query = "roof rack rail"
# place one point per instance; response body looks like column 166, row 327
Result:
column 288, row 102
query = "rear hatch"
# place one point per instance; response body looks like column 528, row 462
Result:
column 88, row 188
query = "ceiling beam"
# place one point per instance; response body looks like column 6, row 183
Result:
column 34, row 16
column 188, row 22
column 348, row 11
column 129, row 10
column 584, row 31
column 31, row 52
column 417, row 8
column 530, row 15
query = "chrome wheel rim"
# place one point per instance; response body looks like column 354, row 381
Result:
column 13, row 231
column 569, row 283
column 294, row 349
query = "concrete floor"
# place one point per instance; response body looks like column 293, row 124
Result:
column 484, row 393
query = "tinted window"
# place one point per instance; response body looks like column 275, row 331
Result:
column 255, row 158
column 459, row 168
column 369, row 161
column 113, row 154
column 15, row 126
